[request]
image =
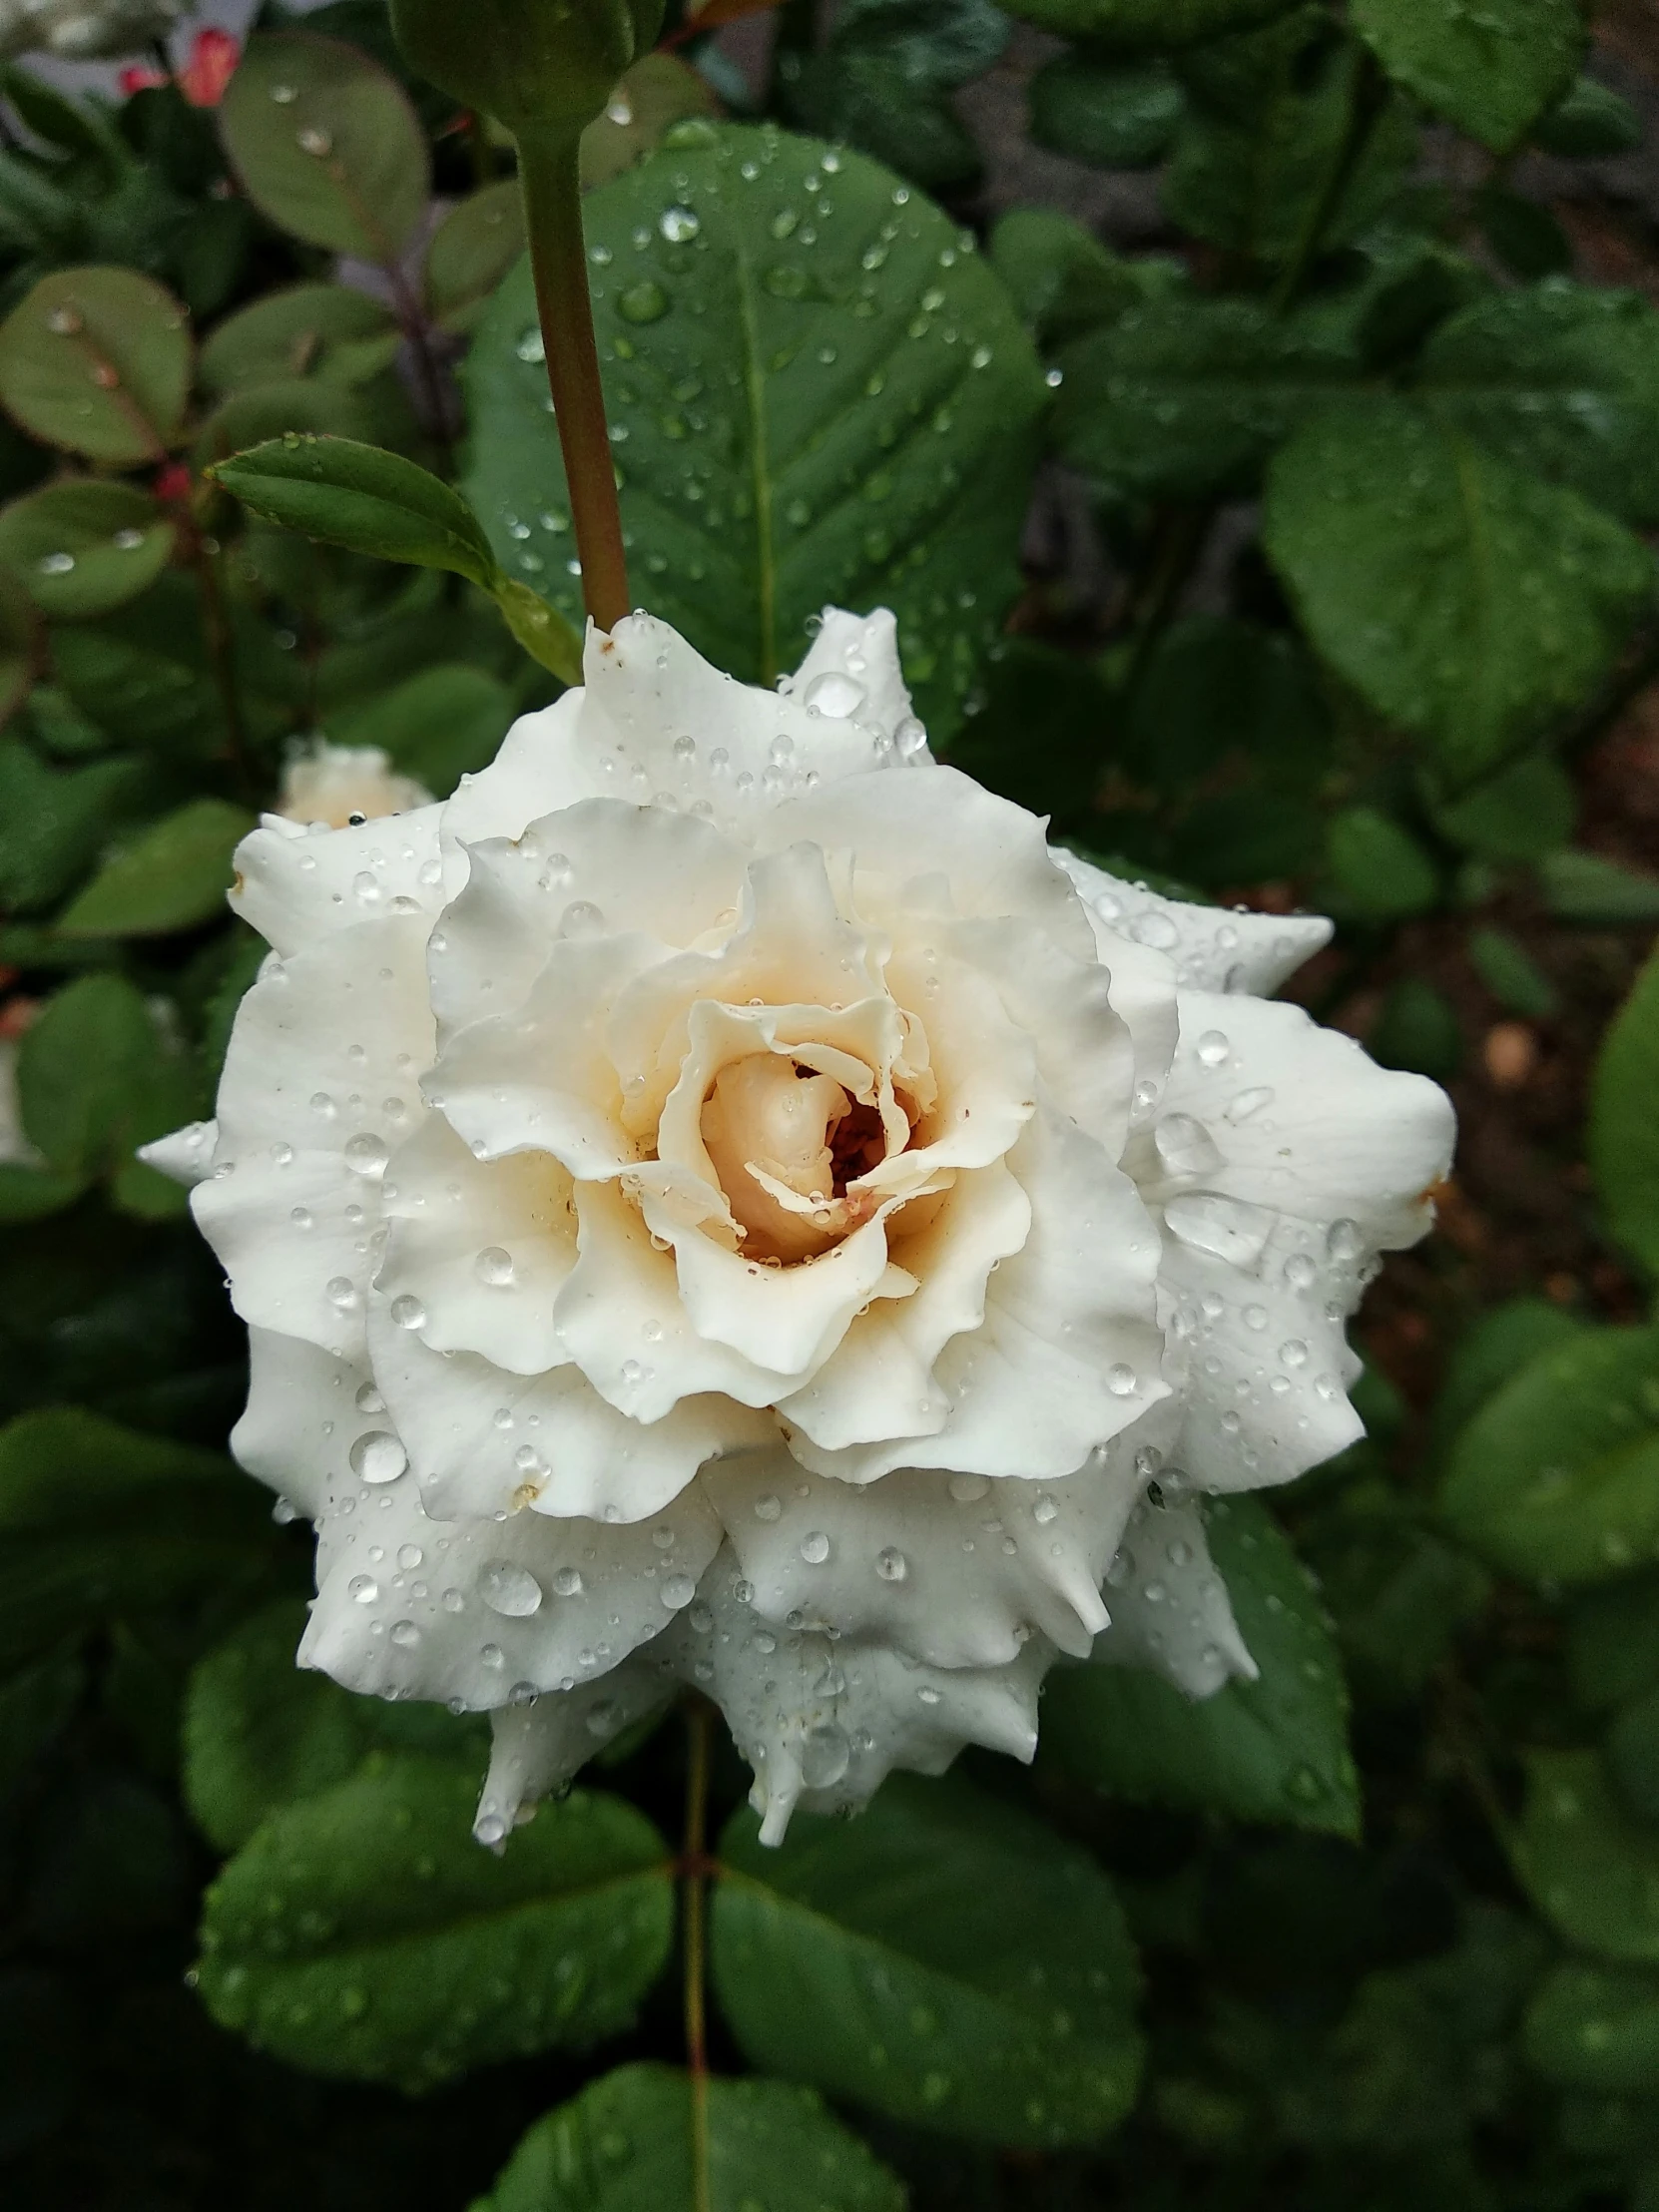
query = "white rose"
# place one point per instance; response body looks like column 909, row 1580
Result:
column 721, row 1201
column 86, row 30
column 340, row 783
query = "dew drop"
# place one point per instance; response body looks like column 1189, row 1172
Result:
column 834, row 696
column 510, row 1589
column 494, row 1266
column 892, row 1565
column 815, row 1547
column 379, row 1456
column 408, row 1313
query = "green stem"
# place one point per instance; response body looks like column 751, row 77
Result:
column 1367, row 98
column 694, row 1859
column 553, row 218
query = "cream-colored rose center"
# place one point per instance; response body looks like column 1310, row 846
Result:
column 785, row 1144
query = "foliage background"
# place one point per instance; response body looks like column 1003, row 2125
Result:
column 1305, row 560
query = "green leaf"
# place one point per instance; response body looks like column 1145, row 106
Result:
column 325, row 331
column 1493, row 70
column 944, row 1958
column 1632, row 1753
column 97, row 1521
column 1562, row 379
column 309, row 407
column 1184, row 398
column 260, row 1733
column 374, row 502
column 1525, row 811
column 1591, row 1871
column 1417, row 1028
column 1557, row 1479
column 81, row 547
column 882, row 79
column 441, row 725
column 1505, row 1340
column 1112, row 117
column 1063, row 282
column 658, row 92
column 35, row 1704
column 1271, row 1749
column 174, row 877
column 1399, row 1592
column 97, row 1075
column 846, row 416
column 53, row 822
column 1586, row 887
column 1526, row 237
column 1137, row 26
column 328, row 145
column 362, row 1933
column 1511, row 974
column 629, row 2143
column 1595, row 2028
column 98, row 360
column 472, row 250
column 1468, row 603
column 1623, row 1134
column 1612, row 1647
column 1378, row 869
column 1590, row 123
column 1268, row 127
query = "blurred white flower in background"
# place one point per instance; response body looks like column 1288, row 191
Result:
column 86, row 30
column 721, row 1201
column 340, row 783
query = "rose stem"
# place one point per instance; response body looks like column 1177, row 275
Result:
column 547, row 163
column 694, row 1862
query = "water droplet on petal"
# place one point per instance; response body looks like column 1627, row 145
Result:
column 510, row 1589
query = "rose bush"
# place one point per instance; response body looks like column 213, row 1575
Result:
column 721, row 1200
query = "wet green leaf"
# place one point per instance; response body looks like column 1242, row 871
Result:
column 1377, row 867
column 261, row 1733
column 1064, row 282
column 98, row 360
column 944, row 1958
column 1271, row 1750
column 1624, row 1132
column 1527, row 810
column 472, row 250
column 81, row 547
column 174, row 876
column 98, row 1073
column 659, row 91
column 1468, row 603
column 328, row 145
column 805, row 406
column 1134, row 26
column 1110, row 117
column 363, row 1932
column 1589, row 122
column 1588, row 888
column 1589, row 1869
column 629, row 2143
column 53, row 822
column 1491, row 70
column 323, row 330
column 1556, row 1477
column 1595, row 2028
column 1511, row 974
column 445, row 723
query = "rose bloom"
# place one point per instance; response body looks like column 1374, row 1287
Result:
column 721, row 1201
column 338, row 785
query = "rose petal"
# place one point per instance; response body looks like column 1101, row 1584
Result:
column 484, row 1441
column 1308, row 1124
column 297, row 885
column 538, row 770
column 538, row 1748
column 865, row 648
column 478, row 1612
column 483, row 1245
column 1169, row 1608
column 302, row 1418
column 319, row 1083
column 1213, row 949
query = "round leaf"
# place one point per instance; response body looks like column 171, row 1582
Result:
column 1491, row 70
column 1593, row 2028
column 629, row 2143
column 1468, row 603
column 945, row 1958
column 1561, row 379
column 80, row 548
column 1557, row 1479
column 98, row 360
column 174, row 876
column 1624, row 1133
column 473, row 249
column 1111, row 117
column 816, row 393
column 260, row 1732
column 323, row 330
column 1271, row 1749
column 363, row 1932
column 1590, row 1869
column 1379, row 867
column 328, row 145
